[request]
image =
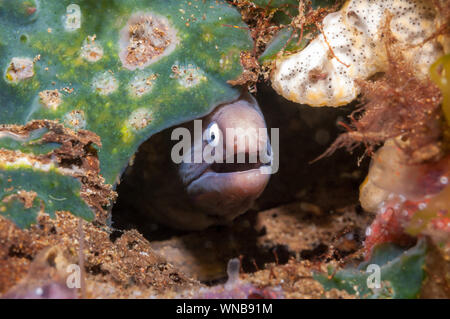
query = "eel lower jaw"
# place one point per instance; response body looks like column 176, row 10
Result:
column 224, row 191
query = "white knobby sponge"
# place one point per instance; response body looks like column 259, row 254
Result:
column 318, row 76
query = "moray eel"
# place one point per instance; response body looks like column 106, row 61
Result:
column 193, row 195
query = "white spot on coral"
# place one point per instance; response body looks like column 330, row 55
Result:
column 318, row 77
column 75, row 120
column 145, row 39
column 50, row 99
column 72, row 18
column 188, row 76
column 105, row 83
column 20, row 69
column 91, row 50
column 142, row 84
column 140, row 119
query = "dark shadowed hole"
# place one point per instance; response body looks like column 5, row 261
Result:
column 97, row 270
column 318, row 253
column 330, row 183
column 18, row 253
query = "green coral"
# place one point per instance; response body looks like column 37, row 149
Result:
column 401, row 273
column 54, row 192
column 282, row 10
column 64, row 60
column 31, row 144
column 46, row 168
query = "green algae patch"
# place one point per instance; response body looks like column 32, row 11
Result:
column 46, row 167
column 39, row 192
column 401, row 274
column 80, row 50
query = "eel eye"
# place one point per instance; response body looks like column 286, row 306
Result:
column 212, row 134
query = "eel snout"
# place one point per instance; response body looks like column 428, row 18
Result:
column 226, row 187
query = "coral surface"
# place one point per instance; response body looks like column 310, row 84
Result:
column 351, row 48
column 111, row 73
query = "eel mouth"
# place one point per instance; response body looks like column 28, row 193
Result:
column 226, row 190
column 238, row 163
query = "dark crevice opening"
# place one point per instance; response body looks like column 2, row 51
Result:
column 305, row 133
